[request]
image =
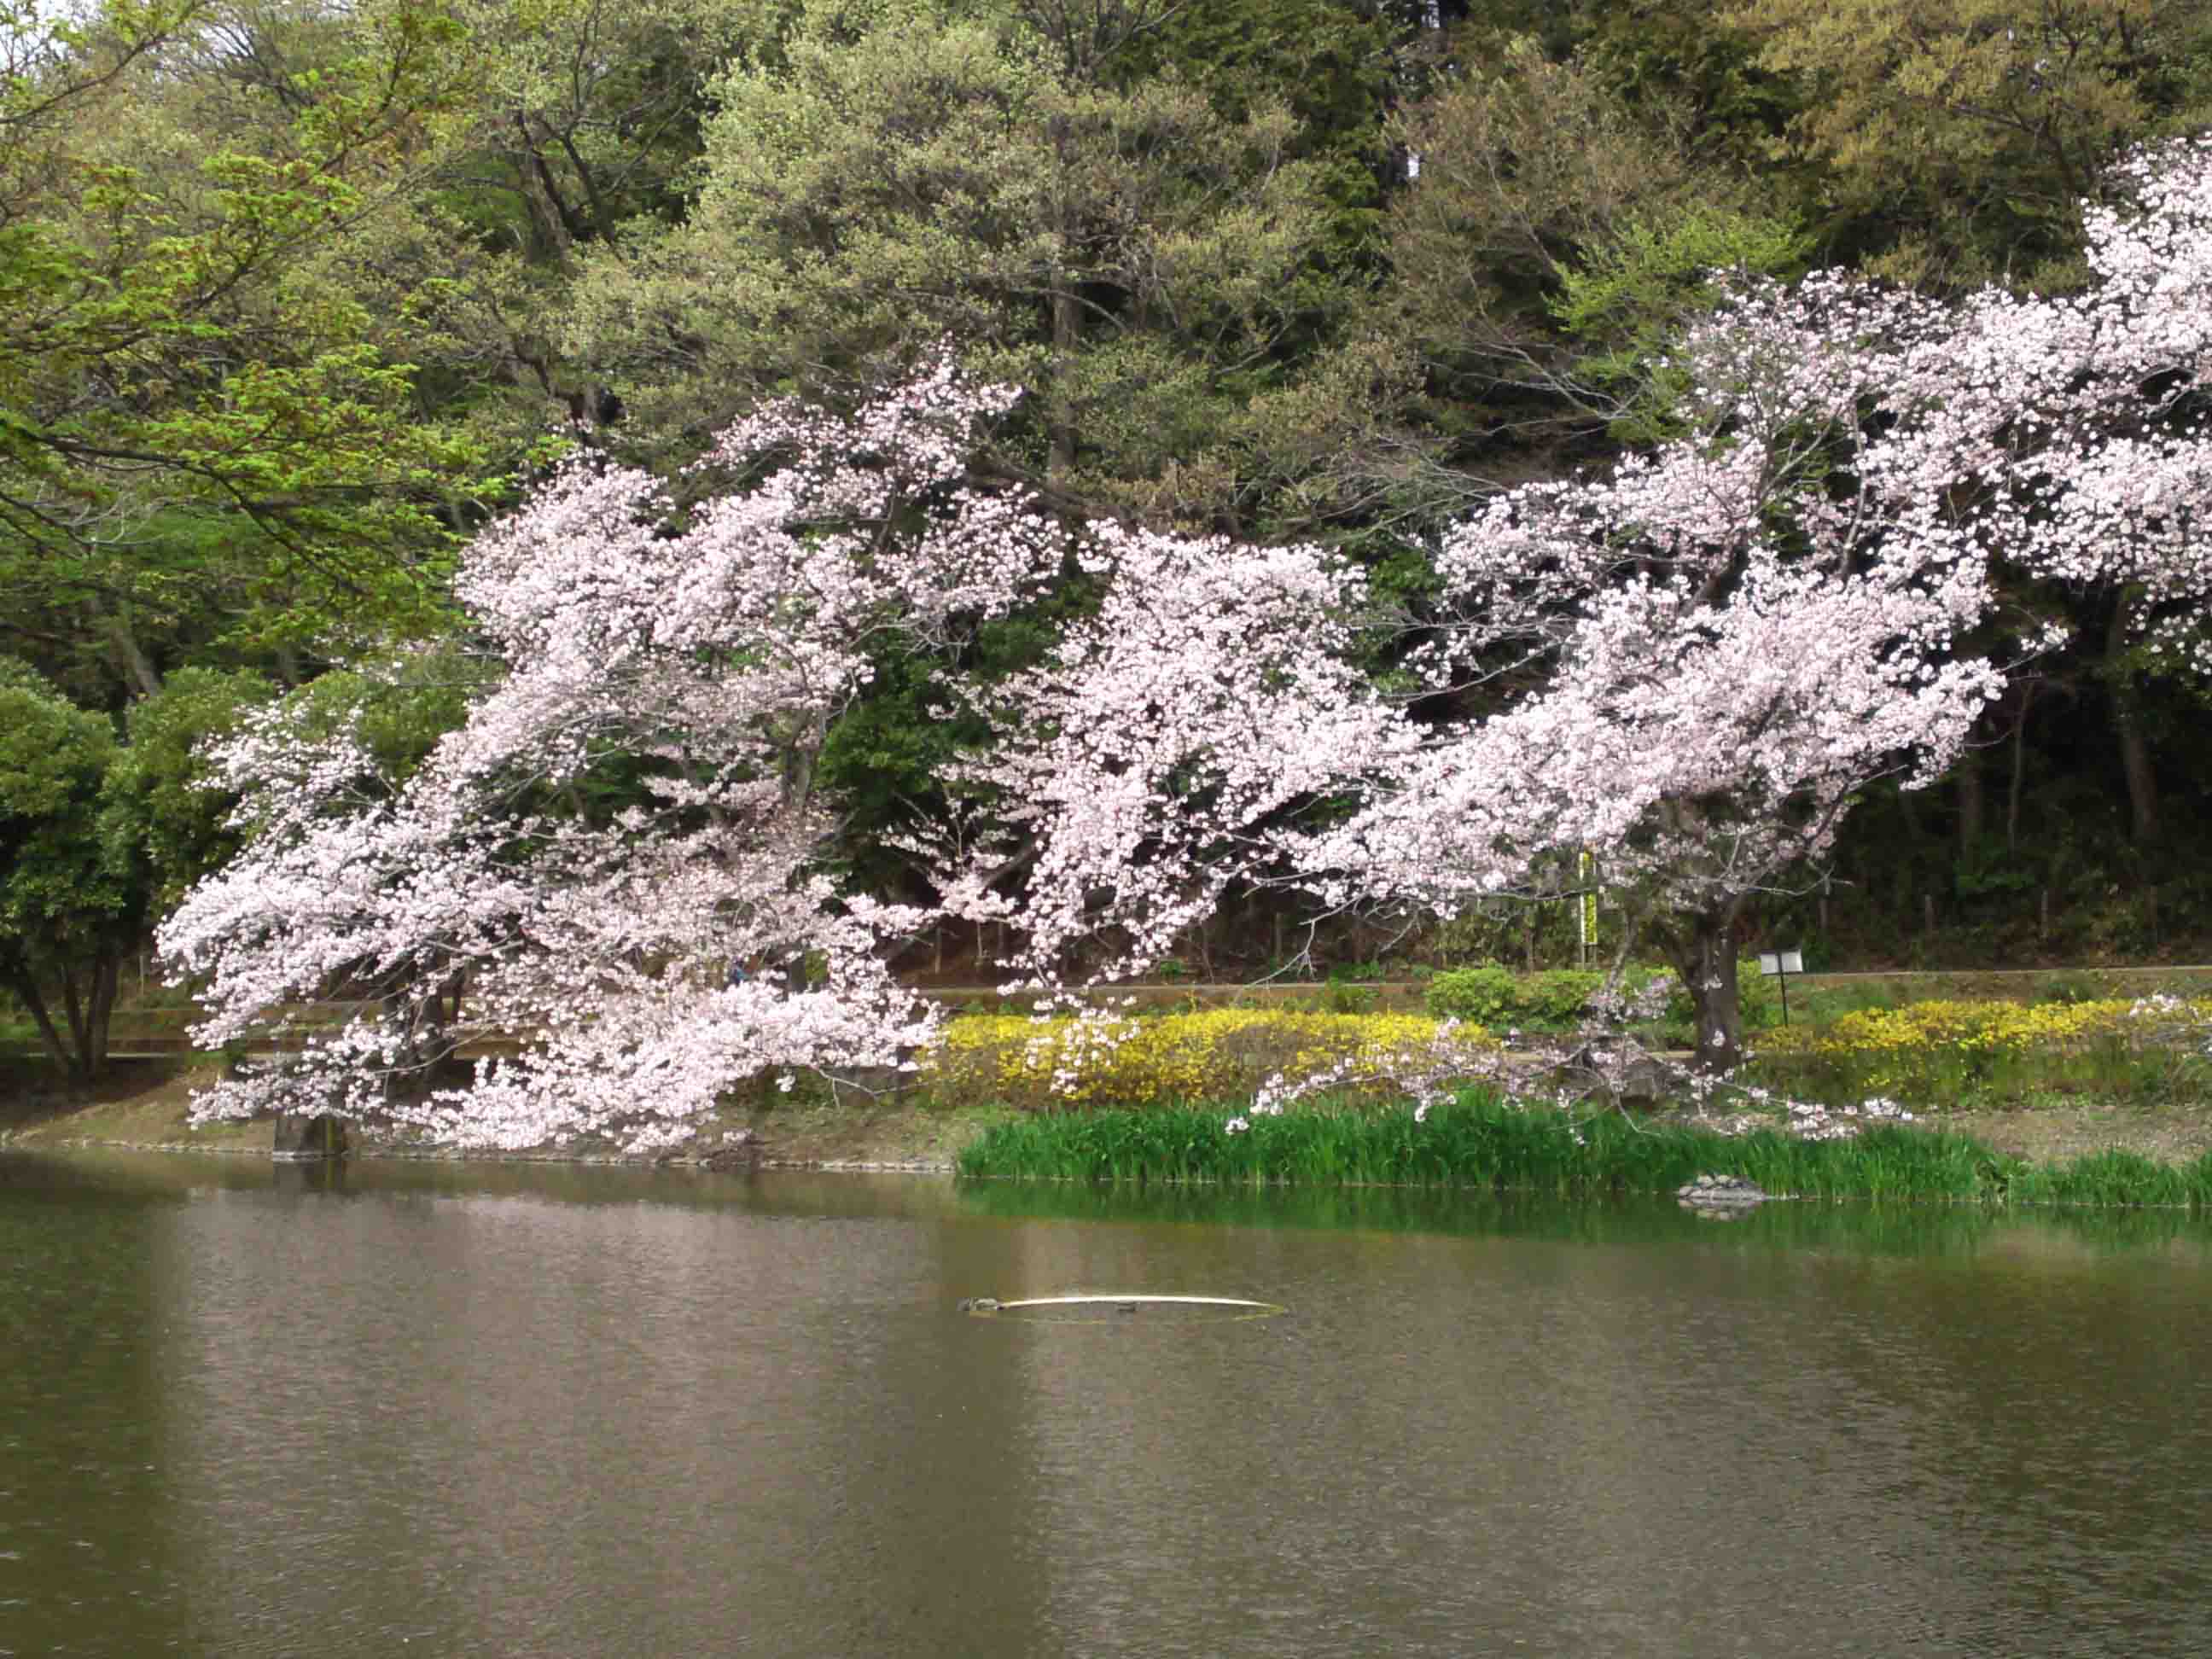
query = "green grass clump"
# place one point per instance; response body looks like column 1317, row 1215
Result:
column 1480, row 1141
column 1476, row 1141
column 2118, row 1178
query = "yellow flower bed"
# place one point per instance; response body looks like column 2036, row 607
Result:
column 1923, row 1027
column 1931, row 1054
column 1217, row 1054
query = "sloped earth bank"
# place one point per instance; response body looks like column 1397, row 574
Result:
column 145, row 1105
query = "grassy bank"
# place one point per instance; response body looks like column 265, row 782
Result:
column 1477, row 1141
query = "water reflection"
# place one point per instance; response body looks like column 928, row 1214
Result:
column 507, row 1410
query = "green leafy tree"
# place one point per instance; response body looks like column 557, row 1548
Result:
column 1558, row 226
column 70, row 912
column 194, row 431
column 1146, row 256
column 164, row 816
column 1948, row 141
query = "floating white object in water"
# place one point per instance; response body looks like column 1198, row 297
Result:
column 1128, row 1303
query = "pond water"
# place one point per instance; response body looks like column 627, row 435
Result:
column 500, row 1410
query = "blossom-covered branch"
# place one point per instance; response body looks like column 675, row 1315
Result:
column 630, row 813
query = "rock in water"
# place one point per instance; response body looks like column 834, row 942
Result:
column 741, row 1150
column 1720, row 1192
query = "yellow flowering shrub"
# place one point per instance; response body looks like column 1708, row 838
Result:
column 1923, row 1026
column 1932, row 1053
column 1215, row 1054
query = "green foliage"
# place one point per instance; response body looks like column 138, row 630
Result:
column 883, row 760
column 1935, row 1055
column 162, row 811
column 1540, row 168
column 396, row 710
column 2116, row 1177
column 399, row 708
column 1555, row 1000
column 1949, row 139
column 1488, row 995
column 902, row 175
column 1630, row 293
column 198, row 434
column 66, row 910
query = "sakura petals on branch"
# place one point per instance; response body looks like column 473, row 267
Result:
column 627, row 813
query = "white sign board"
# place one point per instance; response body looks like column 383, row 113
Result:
column 1771, row 963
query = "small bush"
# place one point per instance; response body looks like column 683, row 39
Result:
column 1342, row 997
column 1554, row 1000
column 2073, row 986
column 1558, row 996
column 1487, row 995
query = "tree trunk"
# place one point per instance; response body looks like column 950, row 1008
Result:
column 2019, row 766
column 1705, row 956
column 1067, row 329
column 2127, row 727
column 106, row 981
column 27, row 992
column 82, row 1050
column 1966, row 787
column 138, row 667
column 73, row 1006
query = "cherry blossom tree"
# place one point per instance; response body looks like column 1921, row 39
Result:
column 1687, row 669
column 1684, row 670
column 2107, row 391
column 1695, row 665
column 628, row 812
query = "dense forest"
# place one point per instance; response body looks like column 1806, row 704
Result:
column 301, row 300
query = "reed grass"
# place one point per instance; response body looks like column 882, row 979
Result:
column 1479, row 1141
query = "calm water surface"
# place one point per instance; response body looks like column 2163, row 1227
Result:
column 503, row 1411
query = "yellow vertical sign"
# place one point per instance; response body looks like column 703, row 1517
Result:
column 1590, row 902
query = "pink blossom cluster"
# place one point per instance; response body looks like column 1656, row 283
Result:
column 684, row 666
column 1688, row 668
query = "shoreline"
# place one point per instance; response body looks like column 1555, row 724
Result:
column 144, row 1109
column 449, row 1155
